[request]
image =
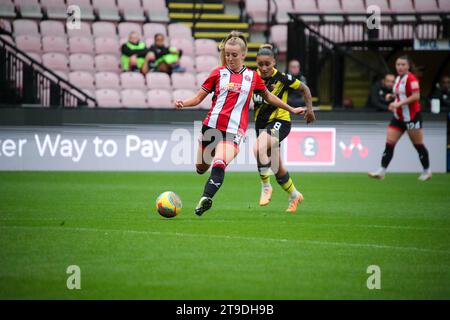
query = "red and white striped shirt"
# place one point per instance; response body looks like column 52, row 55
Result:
column 232, row 93
column 404, row 87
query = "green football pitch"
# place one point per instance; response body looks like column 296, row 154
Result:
column 106, row 224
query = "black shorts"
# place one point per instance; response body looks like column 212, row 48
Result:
column 276, row 127
column 210, row 137
column 402, row 126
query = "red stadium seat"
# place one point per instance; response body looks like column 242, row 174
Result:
column 56, row 61
column 159, row 98
column 104, row 29
column 206, row 47
column 206, row 63
column 82, row 79
column 54, row 44
column 108, row 98
column 81, row 62
column 184, row 80
column 52, row 28
column 107, row 62
column 83, row 31
column 187, row 45
column 179, row 30
column 187, row 63
column 150, row 29
column 279, row 36
column 81, row 45
column 201, row 77
column 133, row 98
column 25, row 27
column 132, row 80
column 182, row 94
column 29, row 43
column 106, row 45
column 125, row 28
column 158, row 80
column 107, row 80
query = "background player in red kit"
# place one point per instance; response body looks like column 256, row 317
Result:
column 406, row 117
column 232, row 85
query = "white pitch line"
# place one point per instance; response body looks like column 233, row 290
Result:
column 195, row 235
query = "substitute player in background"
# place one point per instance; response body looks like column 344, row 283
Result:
column 406, row 117
column 273, row 125
column 226, row 123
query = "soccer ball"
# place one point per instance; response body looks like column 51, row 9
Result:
column 168, row 204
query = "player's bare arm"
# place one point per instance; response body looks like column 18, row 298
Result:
column 277, row 102
column 191, row 102
column 309, row 114
column 412, row 98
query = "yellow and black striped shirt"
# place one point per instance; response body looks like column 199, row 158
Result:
column 278, row 84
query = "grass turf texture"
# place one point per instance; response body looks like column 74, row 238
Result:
column 107, row 224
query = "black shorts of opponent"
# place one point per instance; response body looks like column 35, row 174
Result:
column 277, row 128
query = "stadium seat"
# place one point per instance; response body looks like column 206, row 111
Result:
column 104, row 29
column 444, row 5
column 54, row 44
column 81, row 45
column 30, row 9
column 257, row 10
column 106, row 10
column 182, row 94
column 150, row 29
column 131, row 10
column 133, row 98
column 187, row 63
column 106, row 45
column 427, row 31
column 52, row 28
column 206, row 63
column 81, row 62
column 107, row 80
column 307, row 6
column 108, row 98
column 62, row 74
column 206, row 47
column 331, row 6
column 426, row 6
column 25, row 27
column 132, row 80
column 35, row 56
column 201, row 77
column 179, row 30
column 283, row 7
column 332, row 32
column 55, row 9
column 403, row 6
column 7, row 9
column 82, row 79
column 279, row 35
column 354, row 32
column 6, row 25
column 402, row 31
column 355, row 7
column 29, row 43
column 83, row 31
column 156, row 10
column 158, row 80
column 107, row 62
column 184, row 80
column 125, row 28
column 159, row 98
column 7, row 38
column 55, row 61
column 187, row 45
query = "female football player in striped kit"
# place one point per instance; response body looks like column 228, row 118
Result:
column 273, row 125
column 406, row 117
column 232, row 85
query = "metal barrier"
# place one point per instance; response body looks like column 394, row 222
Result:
column 31, row 83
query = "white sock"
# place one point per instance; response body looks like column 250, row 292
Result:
column 427, row 171
column 293, row 194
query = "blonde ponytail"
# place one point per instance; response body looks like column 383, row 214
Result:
column 234, row 38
